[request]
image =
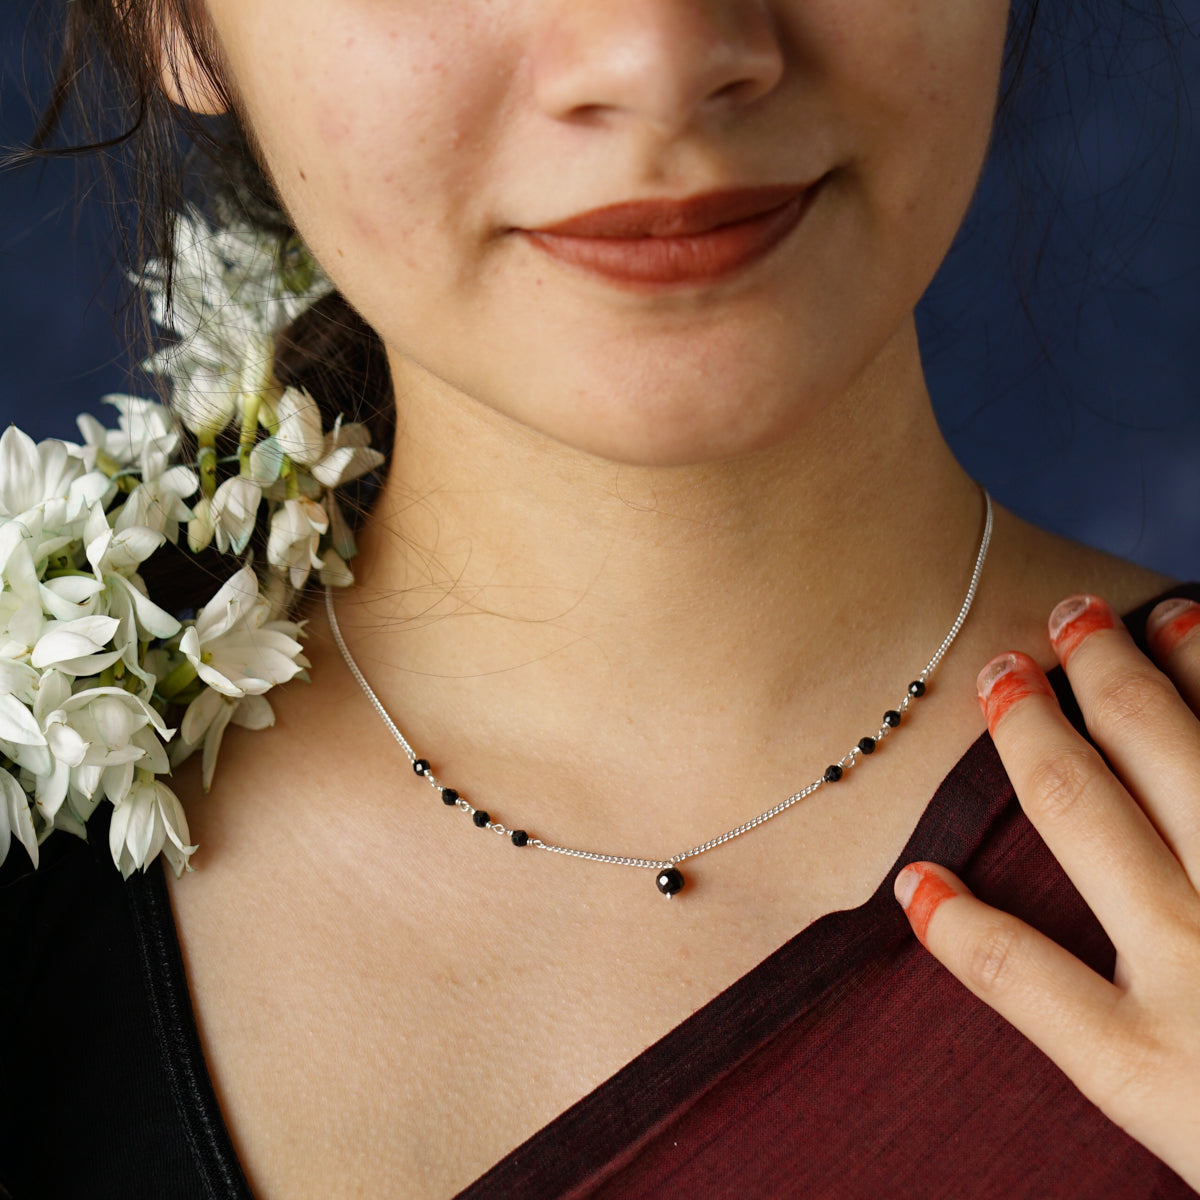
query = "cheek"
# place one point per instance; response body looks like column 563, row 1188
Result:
column 920, row 78
column 380, row 143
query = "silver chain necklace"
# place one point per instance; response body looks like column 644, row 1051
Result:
column 668, row 877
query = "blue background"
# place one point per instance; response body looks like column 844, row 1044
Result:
column 1062, row 336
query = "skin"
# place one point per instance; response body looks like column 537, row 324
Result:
column 1073, row 621
column 1128, row 839
column 630, row 543
column 998, row 692
column 1177, row 623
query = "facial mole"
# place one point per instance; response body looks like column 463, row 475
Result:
column 303, row 176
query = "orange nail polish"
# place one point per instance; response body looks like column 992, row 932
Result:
column 1170, row 623
column 1075, row 620
column 1006, row 680
column 920, row 892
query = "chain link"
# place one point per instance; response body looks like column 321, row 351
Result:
column 846, row 763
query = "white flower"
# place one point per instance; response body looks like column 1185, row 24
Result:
column 339, row 529
column 201, row 528
column 19, row 729
column 205, row 399
column 87, row 658
column 118, row 552
column 347, row 455
column 50, row 473
column 234, row 648
column 296, row 529
column 278, row 594
column 233, row 512
column 21, row 619
column 71, row 596
column 149, row 821
column 78, row 647
column 229, row 301
column 207, row 718
column 334, row 571
column 15, row 818
column 81, row 745
column 158, row 502
column 209, row 393
column 299, row 432
column 18, row 679
column 142, row 427
column 114, row 556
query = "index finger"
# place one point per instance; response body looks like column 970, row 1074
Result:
column 1137, row 717
column 1094, row 828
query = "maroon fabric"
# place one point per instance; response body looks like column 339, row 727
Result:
column 851, row 1064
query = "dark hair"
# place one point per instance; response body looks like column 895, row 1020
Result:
column 154, row 159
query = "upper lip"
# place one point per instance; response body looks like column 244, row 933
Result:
column 676, row 218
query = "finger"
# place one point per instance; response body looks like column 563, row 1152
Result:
column 1057, row 1002
column 1098, row 833
column 1171, row 633
column 1137, row 717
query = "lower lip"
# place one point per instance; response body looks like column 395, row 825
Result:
column 665, row 261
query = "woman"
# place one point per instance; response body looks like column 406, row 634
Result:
column 668, row 523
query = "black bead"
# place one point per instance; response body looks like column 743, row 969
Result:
column 833, row 773
column 891, row 718
column 670, row 881
column 916, row 689
column 520, row 837
column 867, row 745
column 449, row 797
column 421, row 766
column 480, row 817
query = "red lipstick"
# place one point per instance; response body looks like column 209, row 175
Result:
column 664, row 242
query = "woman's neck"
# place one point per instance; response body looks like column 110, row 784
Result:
column 516, row 598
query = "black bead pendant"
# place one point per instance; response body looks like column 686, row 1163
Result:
column 421, row 766
column 833, row 773
column 449, row 797
column 891, row 718
column 520, row 837
column 916, row 689
column 480, row 817
column 669, row 881
column 867, row 745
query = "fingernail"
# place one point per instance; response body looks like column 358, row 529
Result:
column 1170, row 622
column 993, row 673
column 906, row 884
column 920, row 893
column 1076, row 619
column 1005, row 680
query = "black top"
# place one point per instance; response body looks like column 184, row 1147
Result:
column 847, row 1064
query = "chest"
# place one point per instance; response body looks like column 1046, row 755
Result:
column 385, row 998
column 354, row 1042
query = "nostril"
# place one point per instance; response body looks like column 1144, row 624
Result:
column 662, row 61
column 740, row 91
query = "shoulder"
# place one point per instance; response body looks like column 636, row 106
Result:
column 1030, row 570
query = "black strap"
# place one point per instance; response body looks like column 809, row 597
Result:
column 178, row 1038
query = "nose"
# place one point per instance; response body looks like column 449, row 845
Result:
column 667, row 63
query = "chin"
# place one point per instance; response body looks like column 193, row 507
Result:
column 692, row 432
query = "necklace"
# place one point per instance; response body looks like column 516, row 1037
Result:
column 668, row 877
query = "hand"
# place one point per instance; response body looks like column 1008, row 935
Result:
column 1129, row 839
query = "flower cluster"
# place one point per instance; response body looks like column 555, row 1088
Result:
column 103, row 691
